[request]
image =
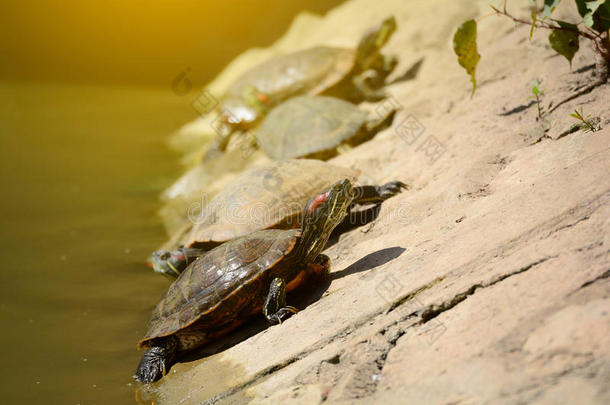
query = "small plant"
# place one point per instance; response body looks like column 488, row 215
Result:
column 589, row 124
column 537, row 92
column 564, row 37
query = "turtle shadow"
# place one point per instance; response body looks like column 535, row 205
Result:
column 409, row 74
column 518, row 109
column 369, row 262
column 247, row 331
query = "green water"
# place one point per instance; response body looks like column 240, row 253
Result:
column 81, row 168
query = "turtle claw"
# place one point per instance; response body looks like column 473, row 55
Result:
column 152, row 366
column 282, row 314
column 391, row 189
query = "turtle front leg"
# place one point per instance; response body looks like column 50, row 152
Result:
column 375, row 75
column 275, row 308
column 157, row 360
column 377, row 194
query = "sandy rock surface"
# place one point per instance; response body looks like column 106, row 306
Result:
column 485, row 283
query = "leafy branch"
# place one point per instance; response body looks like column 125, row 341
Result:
column 564, row 36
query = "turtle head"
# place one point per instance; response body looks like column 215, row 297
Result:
column 242, row 112
column 256, row 99
column 377, row 37
column 171, row 263
column 236, row 114
column 384, row 32
column 372, row 42
column 322, row 214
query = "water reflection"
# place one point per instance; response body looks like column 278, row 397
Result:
column 81, row 168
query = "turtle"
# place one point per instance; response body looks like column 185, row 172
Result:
column 353, row 74
column 239, row 279
column 317, row 127
column 263, row 197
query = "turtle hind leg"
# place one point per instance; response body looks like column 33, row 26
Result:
column 157, row 360
column 275, row 308
column 378, row 194
column 372, row 127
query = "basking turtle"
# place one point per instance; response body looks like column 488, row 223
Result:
column 315, row 126
column 263, row 197
column 238, row 279
column 352, row 74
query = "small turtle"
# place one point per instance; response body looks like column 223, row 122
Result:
column 316, row 127
column 238, row 279
column 263, row 197
column 351, row 74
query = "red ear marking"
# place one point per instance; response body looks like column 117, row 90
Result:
column 262, row 97
column 180, row 256
column 316, row 202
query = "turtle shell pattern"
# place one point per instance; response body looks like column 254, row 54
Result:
column 306, row 125
column 267, row 196
column 223, row 288
column 312, row 71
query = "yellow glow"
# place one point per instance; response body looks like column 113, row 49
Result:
column 140, row 42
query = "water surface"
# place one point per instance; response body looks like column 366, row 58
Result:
column 81, row 169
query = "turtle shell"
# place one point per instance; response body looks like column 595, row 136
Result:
column 267, row 196
column 312, row 71
column 307, row 125
column 223, row 288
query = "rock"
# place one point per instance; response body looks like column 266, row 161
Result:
column 455, row 294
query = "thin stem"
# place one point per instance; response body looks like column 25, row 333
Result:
column 479, row 19
column 593, row 32
column 542, row 24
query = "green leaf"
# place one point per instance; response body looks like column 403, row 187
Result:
column 533, row 24
column 549, row 7
column 595, row 14
column 565, row 42
column 465, row 47
column 535, row 90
